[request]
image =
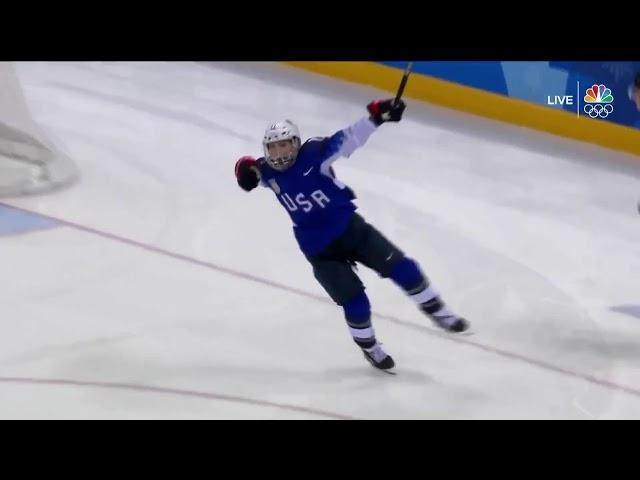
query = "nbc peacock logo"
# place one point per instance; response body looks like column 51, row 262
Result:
column 598, row 100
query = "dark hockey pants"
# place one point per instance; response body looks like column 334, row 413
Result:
column 361, row 243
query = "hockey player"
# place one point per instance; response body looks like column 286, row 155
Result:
column 331, row 235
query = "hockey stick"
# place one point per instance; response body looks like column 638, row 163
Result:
column 403, row 82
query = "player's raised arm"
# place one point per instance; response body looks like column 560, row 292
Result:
column 346, row 141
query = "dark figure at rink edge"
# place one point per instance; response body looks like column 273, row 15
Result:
column 331, row 235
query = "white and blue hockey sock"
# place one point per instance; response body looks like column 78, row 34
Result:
column 408, row 276
column 357, row 312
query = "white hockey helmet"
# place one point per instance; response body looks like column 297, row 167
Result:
column 277, row 132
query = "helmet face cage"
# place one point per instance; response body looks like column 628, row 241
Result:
column 281, row 131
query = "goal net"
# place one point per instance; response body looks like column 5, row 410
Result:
column 29, row 162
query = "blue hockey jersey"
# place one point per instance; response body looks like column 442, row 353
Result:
column 319, row 205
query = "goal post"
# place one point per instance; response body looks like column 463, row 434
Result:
column 29, row 162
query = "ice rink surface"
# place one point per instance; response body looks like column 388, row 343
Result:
column 156, row 288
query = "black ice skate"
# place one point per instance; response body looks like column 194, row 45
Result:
column 442, row 317
column 450, row 323
column 378, row 358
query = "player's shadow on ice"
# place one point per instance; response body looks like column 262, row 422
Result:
column 401, row 374
column 205, row 376
column 359, row 375
column 632, row 310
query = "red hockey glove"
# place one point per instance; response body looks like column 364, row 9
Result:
column 386, row 111
column 247, row 173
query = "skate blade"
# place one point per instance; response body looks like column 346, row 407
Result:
column 389, row 371
column 448, row 333
column 467, row 333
